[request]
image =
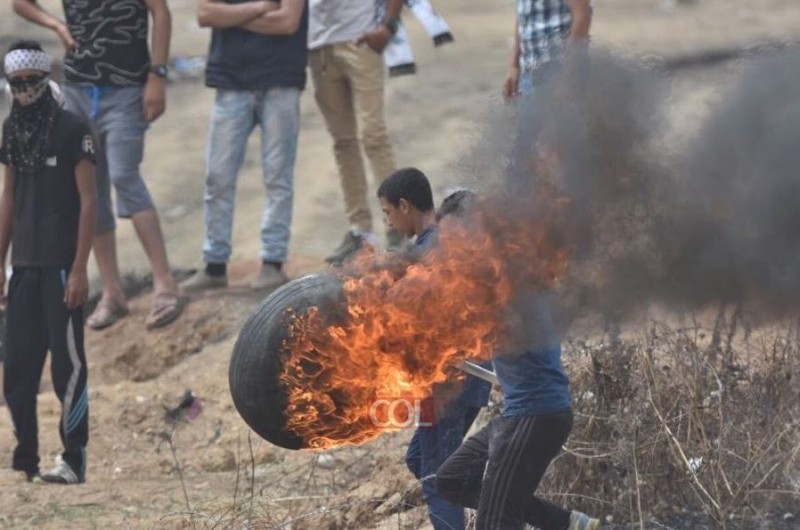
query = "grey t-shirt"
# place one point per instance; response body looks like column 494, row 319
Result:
column 338, row 21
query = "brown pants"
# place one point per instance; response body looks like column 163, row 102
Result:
column 348, row 87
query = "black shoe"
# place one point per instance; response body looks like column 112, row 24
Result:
column 403, row 69
column 351, row 244
column 31, row 475
column 443, row 38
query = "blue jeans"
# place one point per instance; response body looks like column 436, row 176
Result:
column 526, row 84
column 529, row 80
column 115, row 116
column 236, row 113
column 428, row 450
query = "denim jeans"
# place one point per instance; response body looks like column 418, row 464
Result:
column 115, row 116
column 236, row 113
column 429, row 449
column 526, row 84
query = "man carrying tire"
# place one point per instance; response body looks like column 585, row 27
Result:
column 407, row 202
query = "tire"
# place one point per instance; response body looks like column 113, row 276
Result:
column 258, row 356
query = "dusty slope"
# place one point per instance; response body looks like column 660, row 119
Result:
column 133, row 476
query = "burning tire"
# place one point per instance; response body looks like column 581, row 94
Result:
column 257, row 360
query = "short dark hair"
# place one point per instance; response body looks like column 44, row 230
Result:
column 456, row 203
column 25, row 44
column 410, row 184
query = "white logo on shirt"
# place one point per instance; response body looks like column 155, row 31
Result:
column 88, row 145
column 51, row 162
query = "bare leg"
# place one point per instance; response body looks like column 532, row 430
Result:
column 148, row 228
column 105, row 254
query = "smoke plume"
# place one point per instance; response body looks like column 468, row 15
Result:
column 587, row 151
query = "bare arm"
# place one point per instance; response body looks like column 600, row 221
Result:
column 516, row 51
column 285, row 20
column 154, row 97
column 162, row 30
column 33, row 12
column 218, row 14
column 77, row 289
column 393, row 9
column 6, row 222
column 581, row 11
column 379, row 38
column 511, row 84
column 84, row 179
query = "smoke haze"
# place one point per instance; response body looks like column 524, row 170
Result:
column 717, row 221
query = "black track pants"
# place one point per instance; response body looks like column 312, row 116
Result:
column 498, row 470
column 38, row 321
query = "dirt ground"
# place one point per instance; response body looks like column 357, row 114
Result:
column 146, row 471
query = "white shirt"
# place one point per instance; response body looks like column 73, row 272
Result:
column 338, row 21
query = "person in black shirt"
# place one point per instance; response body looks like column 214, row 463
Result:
column 118, row 86
column 257, row 65
column 47, row 215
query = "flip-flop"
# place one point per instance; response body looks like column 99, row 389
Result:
column 105, row 315
column 165, row 308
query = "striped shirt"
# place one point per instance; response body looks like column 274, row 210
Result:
column 544, row 26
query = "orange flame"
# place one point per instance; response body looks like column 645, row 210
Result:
column 406, row 327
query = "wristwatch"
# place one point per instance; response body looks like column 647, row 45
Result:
column 160, row 70
column 392, row 25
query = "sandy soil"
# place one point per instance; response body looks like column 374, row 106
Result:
column 146, row 471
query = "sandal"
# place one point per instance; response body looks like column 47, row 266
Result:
column 165, row 308
column 106, row 314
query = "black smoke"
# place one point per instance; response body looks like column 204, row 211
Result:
column 712, row 219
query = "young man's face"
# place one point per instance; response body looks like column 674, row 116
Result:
column 27, row 85
column 398, row 217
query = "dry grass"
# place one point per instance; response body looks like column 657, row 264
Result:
column 677, row 423
column 682, row 420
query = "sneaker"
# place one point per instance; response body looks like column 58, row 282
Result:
column 581, row 521
column 62, row 473
column 402, row 69
column 350, row 245
column 202, row 281
column 270, row 277
column 443, row 38
column 34, row 477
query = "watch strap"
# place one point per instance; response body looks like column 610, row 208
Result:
column 393, row 24
column 160, row 70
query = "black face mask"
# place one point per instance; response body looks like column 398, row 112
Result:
column 29, row 89
column 31, row 130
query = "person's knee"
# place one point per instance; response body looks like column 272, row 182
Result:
column 17, row 392
column 449, row 488
column 130, row 209
column 375, row 136
column 449, row 482
column 345, row 144
column 279, row 175
column 133, row 197
column 219, row 181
